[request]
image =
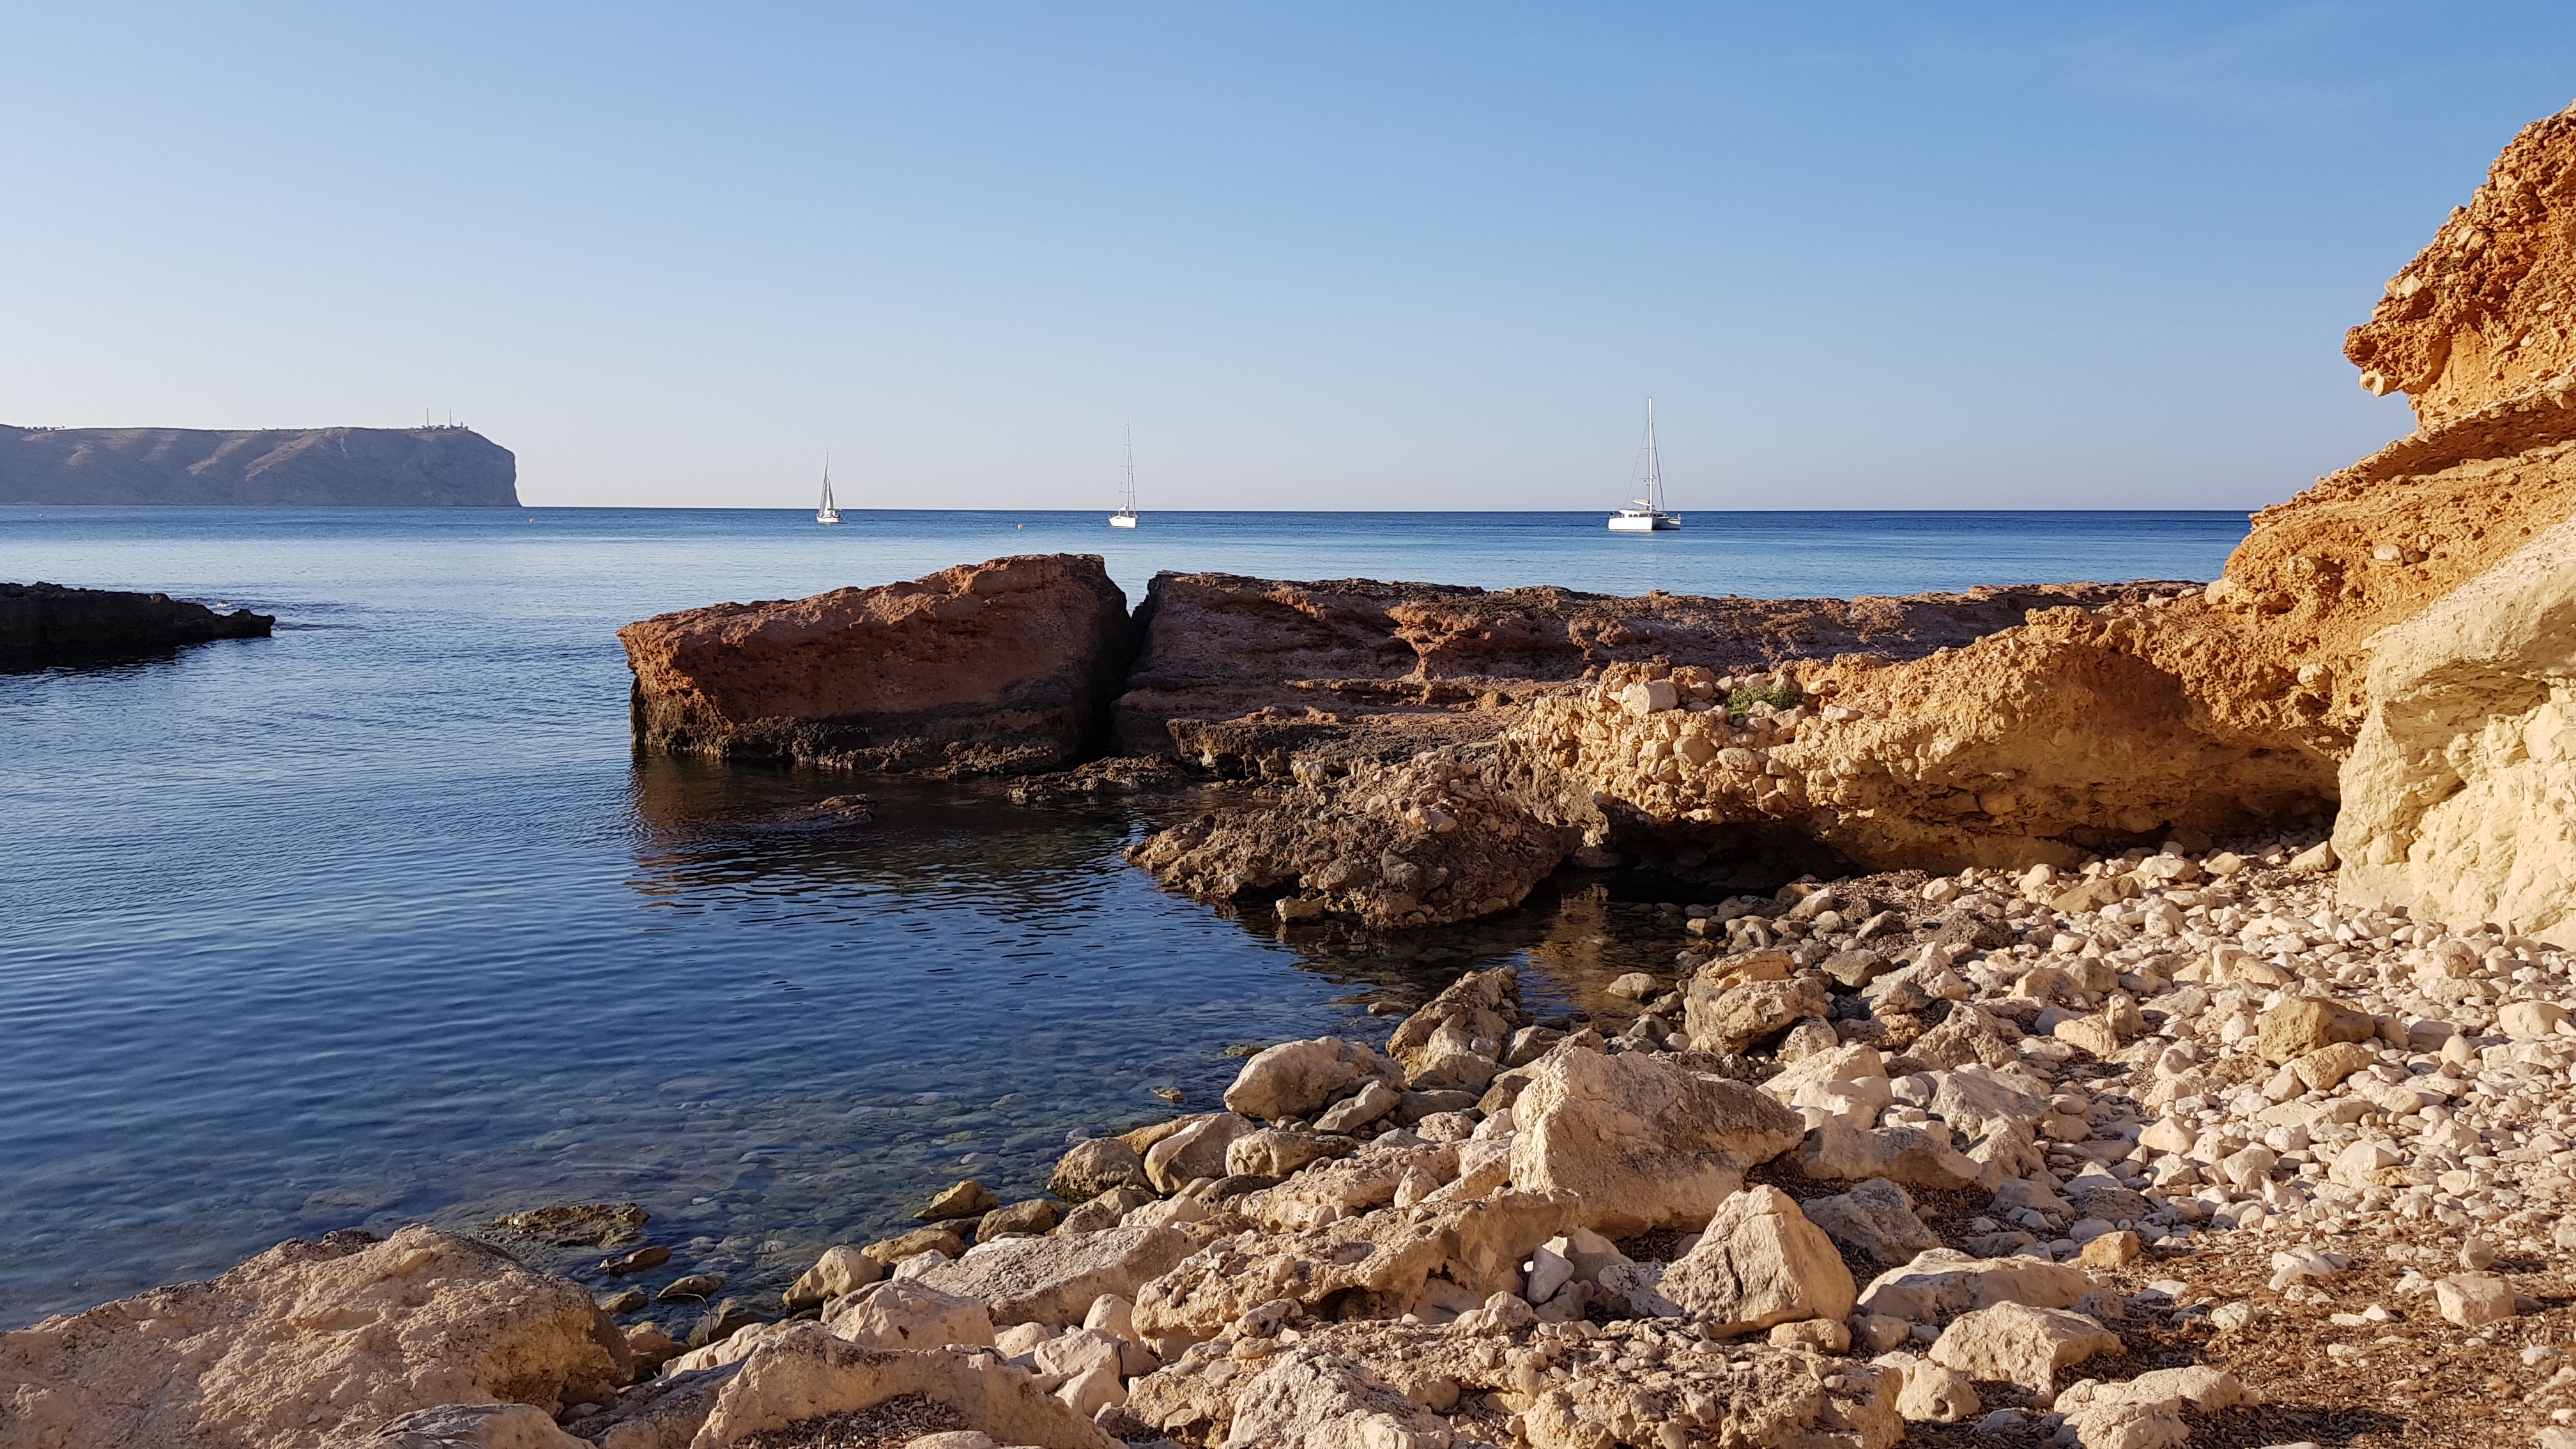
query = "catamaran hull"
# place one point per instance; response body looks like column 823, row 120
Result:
column 1644, row 525
column 1121, row 521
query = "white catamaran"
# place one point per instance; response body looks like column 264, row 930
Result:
column 1647, row 515
column 827, row 513
column 1125, row 517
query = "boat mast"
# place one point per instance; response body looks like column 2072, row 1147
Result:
column 1654, row 463
column 1130, row 505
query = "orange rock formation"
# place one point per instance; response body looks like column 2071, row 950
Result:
column 1006, row 665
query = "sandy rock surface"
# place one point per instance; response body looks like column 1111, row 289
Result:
column 306, row 1339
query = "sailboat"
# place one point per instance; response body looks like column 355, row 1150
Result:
column 827, row 513
column 1125, row 517
column 1647, row 515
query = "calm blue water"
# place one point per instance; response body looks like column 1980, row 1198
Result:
column 379, row 919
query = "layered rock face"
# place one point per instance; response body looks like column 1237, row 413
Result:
column 330, row 467
column 1007, row 665
column 46, row 620
column 2460, row 796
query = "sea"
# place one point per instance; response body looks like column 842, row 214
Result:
column 382, row 920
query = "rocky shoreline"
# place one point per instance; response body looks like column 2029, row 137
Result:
column 2167, row 1042
column 42, row 622
column 2164, row 1149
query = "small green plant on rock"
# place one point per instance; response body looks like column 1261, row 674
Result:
column 1778, row 696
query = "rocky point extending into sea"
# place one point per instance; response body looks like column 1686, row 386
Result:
column 2124, row 1016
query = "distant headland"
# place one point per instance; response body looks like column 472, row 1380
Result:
column 433, row 467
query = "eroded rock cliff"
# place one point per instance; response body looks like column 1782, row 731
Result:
column 308, row 467
column 1007, row 665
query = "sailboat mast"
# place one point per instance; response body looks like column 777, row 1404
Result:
column 1654, row 461
column 1131, row 467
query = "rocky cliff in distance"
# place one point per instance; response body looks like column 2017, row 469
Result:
column 313, row 467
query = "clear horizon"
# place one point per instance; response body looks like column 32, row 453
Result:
column 1870, row 257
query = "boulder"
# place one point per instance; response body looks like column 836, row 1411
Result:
column 1020, row 1219
column 1760, row 1262
column 1757, row 1396
column 902, row 1313
column 1274, row 1152
column 1197, row 1150
column 2119, row 1424
column 1376, row 1266
column 467, row 1426
column 1730, row 1019
column 1348, row 1186
column 423, row 1320
column 810, row 1373
column 1056, row 1280
column 1007, row 665
column 1449, row 1045
column 1970, row 1034
column 1876, row 1220
column 1936, row 1395
column 840, row 1270
column 665, row 1413
column 1643, row 1143
column 2304, row 1024
column 1911, row 1155
column 1313, row 1398
column 1367, row 1105
column 940, row 1238
column 1095, row 1167
column 1297, row 1078
column 2017, row 1343
column 968, row 1199
column 2531, row 1020
column 2326, row 1067
column 1943, row 1282
column 2474, row 1300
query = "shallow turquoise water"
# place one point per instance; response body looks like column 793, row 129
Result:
column 380, row 919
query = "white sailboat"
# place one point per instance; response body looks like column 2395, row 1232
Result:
column 1125, row 517
column 827, row 513
column 1647, row 515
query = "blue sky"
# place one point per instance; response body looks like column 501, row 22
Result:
column 1325, row 255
